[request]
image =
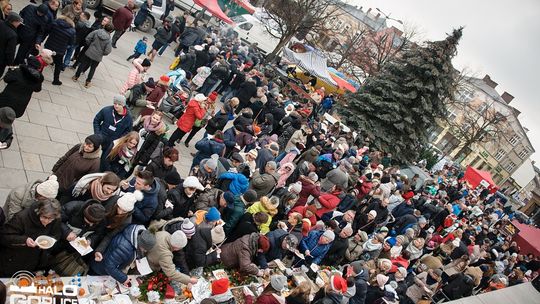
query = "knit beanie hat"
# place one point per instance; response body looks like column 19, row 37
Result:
column 254, row 153
column 278, row 282
column 212, row 162
column 391, row 241
column 402, row 271
column 127, row 201
column 178, row 239
column 48, row 188
column 95, row 139
column 146, row 63
column 312, row 208
column 338, row 283
column 212, row 215
column 295, row 188
column 229, row 198
column 220, row 286
column 173, row 178
column 264, row 243
column 330, row 235
column 188, row 228
column 95, row 212
column 373, row 213
column 192, row 182
column 146, row 240
column 237, row 157
column 213, row 96
column 250, row 196
column 218, row 235
column 381, row 280
column 313, row 177
column 199, row 97
column 7, row 116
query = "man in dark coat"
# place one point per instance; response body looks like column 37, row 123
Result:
column 122, row 19
column 361, row 277
column 202, row 57
column 336, row 253
column 280, row 244
column 175, row 33
column 245, row 92
column 8, row 40
column 61, row 35
column 33, row 29
column 459, row 285
column 113, row 122
column 21, row 84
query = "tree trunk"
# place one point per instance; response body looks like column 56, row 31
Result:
column 282, row 42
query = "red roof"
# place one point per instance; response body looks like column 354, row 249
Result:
column 528, row 238
column 213, row 7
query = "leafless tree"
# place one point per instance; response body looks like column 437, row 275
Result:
column 287, row 18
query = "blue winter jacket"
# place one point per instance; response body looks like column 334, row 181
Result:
column 120, row 253
column 229, row 138
column 311, row 243
column 239, row 182
column 206, row 148
column 104, row 124
column 62, row 34
column 140, row 47
column 403, row 209
column 143, row 210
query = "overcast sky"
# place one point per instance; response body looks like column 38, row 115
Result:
column 499, row 39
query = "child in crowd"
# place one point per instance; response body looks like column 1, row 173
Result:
column 140, row 48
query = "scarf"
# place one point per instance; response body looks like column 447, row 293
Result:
column 96, row 189
column 415, row 252
column 395, row 251
column 148, row 126
column 126, row 155
column 369, row 246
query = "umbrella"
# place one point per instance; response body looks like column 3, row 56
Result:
column 342, row 83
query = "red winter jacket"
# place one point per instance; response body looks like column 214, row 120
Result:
column 364, row 188
column 329, row 202
column 399, row 262
column 308, row 188
column 193, row 112
column 122, row 18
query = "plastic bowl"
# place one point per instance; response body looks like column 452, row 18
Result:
column 45, row 242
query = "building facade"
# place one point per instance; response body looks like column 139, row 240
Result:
column 502, row 155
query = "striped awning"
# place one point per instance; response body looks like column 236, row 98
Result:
column 312, row 62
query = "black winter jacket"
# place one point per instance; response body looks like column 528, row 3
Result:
column 21, row 84
column 61, row 35
column 34, row 25
column 8, row 43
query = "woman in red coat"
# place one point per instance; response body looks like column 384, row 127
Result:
column 328, row 201
column 196, row 109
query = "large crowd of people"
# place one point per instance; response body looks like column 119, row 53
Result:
column 271, row 179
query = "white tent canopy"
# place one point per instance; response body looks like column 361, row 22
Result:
column 312, row 62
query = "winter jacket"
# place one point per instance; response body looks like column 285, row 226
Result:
column 161, row 211
column 336, row 253
column 158, row 168
column 181, row 202
column 20, row 198
column 276, row 251
column 459, row 285
column 246, row 225
column 308, row 189
column 122, row 18
column 34, row 25
column 14, row 254
column 403, row 209
column 21, row 84
column 161, row 258
column 99, row 45
column 239, row 183
column 187, row 62
column 246, row 91
column 121, row 252
column 61, row 34
column 217, row 122
column 163, row 35
column 335, row 177
column 209, row 198
column 75, row 164
column 328, row 202
column 156, row 95
column 193, row 112
column 140, row 47
column 264, row 156
column 361, row 284
column 73, row 220
column 202, row 58
column 264, row 183
column 143, row 211
column 134, row 76
column 229, row 139
column 416, row 291
column 206, row 148
column 111, row 125
column 197, row 247
column 311, row 243
column 231, row 214
column 240, row 254
column 403, row 222
column 8, row 43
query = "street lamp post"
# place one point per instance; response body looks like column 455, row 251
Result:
column 387, row 16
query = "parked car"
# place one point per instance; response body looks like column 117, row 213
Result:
column 252, row 30
column 152, row 21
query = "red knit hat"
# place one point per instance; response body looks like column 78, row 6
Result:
column 338, row 283
column 164, row 78
column 220, row 286
column 213, row 96
column 407, row 195
column 264, row 243
column 311, row 208
column 306, row 226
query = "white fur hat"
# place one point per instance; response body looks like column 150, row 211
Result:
column 48, row 188
column 127, row 201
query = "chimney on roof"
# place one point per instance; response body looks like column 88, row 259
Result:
column 378, row 15
column 507, row 97
column 369, row 10
column 490, row 82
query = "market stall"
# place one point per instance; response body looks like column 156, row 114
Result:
column 213, row 7
column 528, row 238
column 477, row 177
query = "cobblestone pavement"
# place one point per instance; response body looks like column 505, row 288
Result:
column 59, row 117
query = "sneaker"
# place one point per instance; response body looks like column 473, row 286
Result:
column 186, row 144
column 75, row 78
column 114, row 46
column 87, row 84
column 57, row 82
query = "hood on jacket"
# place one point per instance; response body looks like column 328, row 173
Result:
column 30, row 73
column 65, row 21
column 154, row 188
column 103, row 34
column 132, row 232
column 91, row 155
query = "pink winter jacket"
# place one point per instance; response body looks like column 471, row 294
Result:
column 135, row 75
